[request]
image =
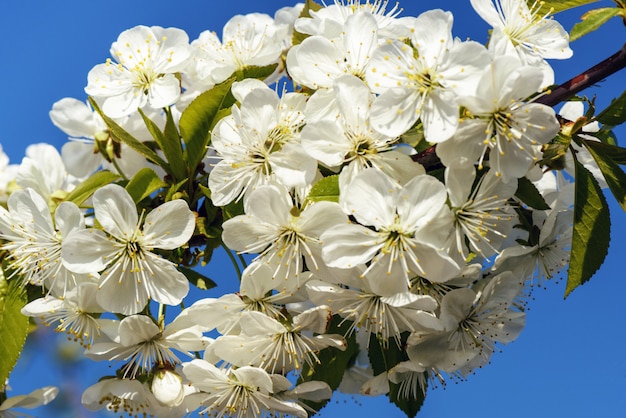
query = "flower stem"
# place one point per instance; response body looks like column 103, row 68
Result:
column 233, row 260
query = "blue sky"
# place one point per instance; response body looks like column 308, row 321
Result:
column 569, row 360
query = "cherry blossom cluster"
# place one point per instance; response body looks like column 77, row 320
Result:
column 355, row 244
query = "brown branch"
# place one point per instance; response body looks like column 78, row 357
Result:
column 598, row 72
column 428, row 158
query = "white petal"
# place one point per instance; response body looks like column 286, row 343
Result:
column 68, row 218
column 169, row 226
column 371, row 198
column 395, row 111
column 74, row 118
column 164, row 91
column 87, row 251
column 167, row 285
column 116, row 211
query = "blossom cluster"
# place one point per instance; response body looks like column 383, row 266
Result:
column 357, row 245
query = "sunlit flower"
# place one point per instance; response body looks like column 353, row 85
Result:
column 35, row 242
column 147, row 60
column 423, row 81
column 318, row 61
column 281, row 233
column 245, row 392
column 521, row 29
column 76, row 313
column 402, row 229
column 142, row 344
column 351, row 142
column 132, row 272
column 259, row 144
column 499, row 120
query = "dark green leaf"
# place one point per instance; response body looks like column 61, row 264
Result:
column 143, row 184
column 309, row 6
column 554, row 152
column 591, row 234
column 613, row 174
column 169, row 142
column 325, row 189
column 85, row 189
column 233, row 209
column 173, row 149
column 617, row 154
column 196, row 121
column 606, row 135
column 13, row 325
column 333, row 362
column 199, row 280
column 528, row 193
column 130, row 140
column 592, row 20
column 615, row 113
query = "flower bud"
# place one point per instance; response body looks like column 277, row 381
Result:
column 167, row 387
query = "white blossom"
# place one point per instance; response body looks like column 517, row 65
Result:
column 35, row 242
column 131, row 272
column 245, row 392
column 259, row 144
column 144, row 72
column 502, row 122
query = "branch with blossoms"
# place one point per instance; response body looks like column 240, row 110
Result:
column 388, row 215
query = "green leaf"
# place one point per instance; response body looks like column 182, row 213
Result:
column 617, row 154
column 232, row 209
column 613, row 174
column 196, row 121
column 528, row 193
column 606, row 135
column 591, row 233
column 325, row 189
column 201, row 281
column 592, row 20
column 143, row 184
column 385, row 356
column 556, row 6
column 172, row 148
column 309, row 5
column 333, row 362
column 174, row 188
column 169, row 142
column 206, row 192
column 260, row 73
column 13, row 325
column 615, row 113
column 85, row 189
column 130, row 140
column 555, row 151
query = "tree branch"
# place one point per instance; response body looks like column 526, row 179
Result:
column 598, row 72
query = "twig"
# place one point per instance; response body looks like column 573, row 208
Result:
column 588, row 78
